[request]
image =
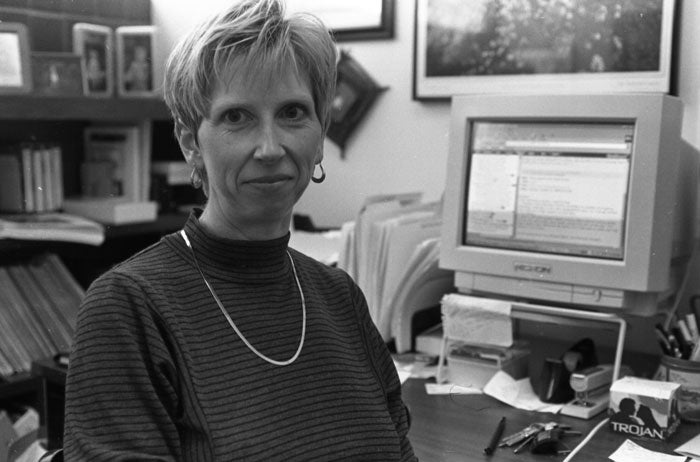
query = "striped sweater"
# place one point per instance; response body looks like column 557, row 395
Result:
column 157, row 373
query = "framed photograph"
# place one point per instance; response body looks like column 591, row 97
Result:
column 15, row 70
column 351, row 19
column 111, row 167
column 527, row 46
column 135, row 61
column 57, row 74
column 355, row 93
column 94, row 43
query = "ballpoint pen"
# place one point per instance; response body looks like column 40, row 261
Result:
column 495, row 438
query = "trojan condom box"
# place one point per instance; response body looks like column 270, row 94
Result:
column 643, row 408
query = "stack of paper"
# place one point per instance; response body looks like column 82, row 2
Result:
column 384, row 251
column 61, row 227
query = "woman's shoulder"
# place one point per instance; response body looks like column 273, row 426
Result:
column 322, row 269
column 144, row 264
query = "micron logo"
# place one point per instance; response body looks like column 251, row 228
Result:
column 532, row 268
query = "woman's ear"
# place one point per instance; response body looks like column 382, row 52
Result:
column 188, row 143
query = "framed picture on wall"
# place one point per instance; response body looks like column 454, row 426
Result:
column 355, row 94
column 351, row 19
column 526, row 46
column 15, row 70
column 135, row 61
column 57, row 73
column 94, row 43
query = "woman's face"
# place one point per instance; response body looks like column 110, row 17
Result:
column 258, row 146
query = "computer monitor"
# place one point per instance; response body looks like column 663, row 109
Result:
column 582, row 201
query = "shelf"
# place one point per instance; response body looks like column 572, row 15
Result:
column 35, row 107
column 164, row 224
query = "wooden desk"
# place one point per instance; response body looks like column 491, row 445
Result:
column 448, row 428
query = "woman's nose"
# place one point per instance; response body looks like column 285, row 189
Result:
column 269, row 146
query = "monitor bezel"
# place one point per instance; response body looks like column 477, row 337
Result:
column 649, row 223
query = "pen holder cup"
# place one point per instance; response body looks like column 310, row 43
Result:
column 687, row 374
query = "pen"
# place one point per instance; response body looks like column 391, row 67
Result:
column 691, row 320
column 676, row 336
column 663, row 341
column 695, row 354
column 495, row 438
column 675, row 347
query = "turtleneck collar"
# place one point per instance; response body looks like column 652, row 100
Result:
column 233, row 258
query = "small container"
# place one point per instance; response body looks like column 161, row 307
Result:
column 687, row 374
column 644, row 408
column 474, row 366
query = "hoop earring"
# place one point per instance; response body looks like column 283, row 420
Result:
column 195, row 179
column 322, row 177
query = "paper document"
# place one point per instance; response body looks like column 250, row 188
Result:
column 630, row 451
column 450, row 389
column 477, row 320
column 517, row 393
column 690, row 448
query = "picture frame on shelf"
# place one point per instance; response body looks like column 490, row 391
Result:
column 352, row 20
column 355, row 94
column 135, row 61
column 57, row 74
column 112, row 165
column 15, row 67
column 95, row 44
column 588, row 47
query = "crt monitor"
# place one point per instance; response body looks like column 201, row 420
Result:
column 573, row 200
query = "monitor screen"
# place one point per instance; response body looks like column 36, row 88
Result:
column 549, row 187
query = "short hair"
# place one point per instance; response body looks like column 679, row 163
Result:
column 257, row 33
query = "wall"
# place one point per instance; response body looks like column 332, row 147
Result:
column 402, row 144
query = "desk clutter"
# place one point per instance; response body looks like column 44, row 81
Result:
column 481, row 354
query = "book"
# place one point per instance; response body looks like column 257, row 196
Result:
column 40, row 301
column 114, row 211
column 38, row 180
column 57, row 175
column 174, row 172
column 11, row 188
column 23, row 320
column 28, row 178
column 117, row 150
column 51, row 227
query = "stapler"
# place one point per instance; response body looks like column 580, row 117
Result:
column 592, row 391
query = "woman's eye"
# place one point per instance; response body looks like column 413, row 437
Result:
column 234, row 116
column 294, row 112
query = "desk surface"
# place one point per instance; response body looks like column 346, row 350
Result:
column 449, row 428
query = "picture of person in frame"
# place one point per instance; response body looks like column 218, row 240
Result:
column 95, row 55
column 137, row 64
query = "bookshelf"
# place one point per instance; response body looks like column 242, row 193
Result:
column 56, row 109
column 62, row 120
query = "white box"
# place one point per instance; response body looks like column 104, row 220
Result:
column 474, row 366
column 644, row 408
column 112, row 210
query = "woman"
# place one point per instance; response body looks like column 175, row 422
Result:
column 220, row 342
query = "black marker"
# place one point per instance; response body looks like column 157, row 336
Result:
column 496, row 437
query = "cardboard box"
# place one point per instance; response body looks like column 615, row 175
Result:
column 644, row 408
column 474, row 366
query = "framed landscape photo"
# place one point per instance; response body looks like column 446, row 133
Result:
column 135, row 61
column 57, row 74
column 94, row 43
column 15, row 69
column 527, row 46
column 351, row 19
